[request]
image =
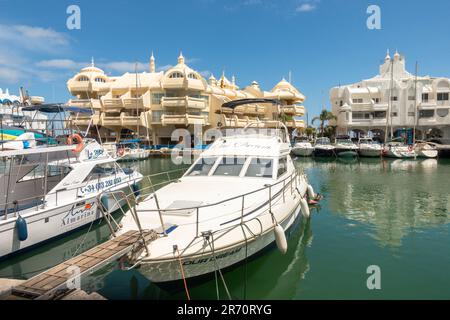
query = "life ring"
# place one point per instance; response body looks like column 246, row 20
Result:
column 76, row 139
column 120, row 152
column 410, row 148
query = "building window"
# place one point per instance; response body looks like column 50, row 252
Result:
column 394, row 114
column 442, row 96
column 176, row 75
column 394, row 98
column 379, row 115
column 361, row 115
column 376, row 100
column 100, row 80
column 156, row 116
column 83, row 79
column 426, row 114
column 424, row 97
column 341, row 103
column 156, row 98
column 442, row 112
column 359, row 100
column 192, row 76
column 411, row 98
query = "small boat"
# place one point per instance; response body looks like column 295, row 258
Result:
column 369, row 148
column 425, row 150
column 399, row 150
column 344, row 147
column 242, row 195
column 323, row 148
column 303, row 148
column 131, row 151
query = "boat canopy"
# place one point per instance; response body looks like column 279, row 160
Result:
column 236, row 103
column 56, row 108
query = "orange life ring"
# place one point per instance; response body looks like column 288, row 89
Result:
column 120, row 151
column 76, row 139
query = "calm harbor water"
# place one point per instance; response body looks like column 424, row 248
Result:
column 391, row 213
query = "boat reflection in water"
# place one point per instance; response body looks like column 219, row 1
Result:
column 392, row 197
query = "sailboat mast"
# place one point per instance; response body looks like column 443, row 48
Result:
column 137, row 105
column 388, row 115
column 390, row 99
column 415, row 104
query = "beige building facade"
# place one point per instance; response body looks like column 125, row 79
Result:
column 151, row 105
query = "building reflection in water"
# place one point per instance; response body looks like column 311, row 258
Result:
column 393, row 197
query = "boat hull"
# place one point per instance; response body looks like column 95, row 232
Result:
column 369, row 153
column 169, row 271
column 346, row 153
column 303, row 152
column 323, row 152
column 52, row 223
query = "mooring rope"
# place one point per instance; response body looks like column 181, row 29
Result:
column 175, row 247
column 216, row 267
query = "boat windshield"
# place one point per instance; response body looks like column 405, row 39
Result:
column 260, row 168
column 323, row 141
column 230, row 166
column 202, row 167
column 344, row 141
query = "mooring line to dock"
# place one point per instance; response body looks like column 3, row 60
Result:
column 175, row 247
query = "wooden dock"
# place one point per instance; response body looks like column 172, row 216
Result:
column 52, row 284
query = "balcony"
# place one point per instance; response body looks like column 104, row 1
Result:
column 112, row 104
column 427, row 104
column 254, row 110
column 110, row 121
column 380, row 106
column 182, row 119
column 133, row 103
column 299, row 124
column 79, row 86
column 183, row 83
column 294, row 110
column 183, row 102
column 84, row 121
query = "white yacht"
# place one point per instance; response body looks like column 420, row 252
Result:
column 344, row 147
column 369, row 148
column 323, row 148
column 399, row 150
column 240, row 196
column 50, row 190
column 303, row 148
column 130, row 151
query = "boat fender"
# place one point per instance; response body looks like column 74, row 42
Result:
column 304, row 207
column 311, row 193
column 22, row 228
column 280, row 239
column 312, row 202
column 105, row 203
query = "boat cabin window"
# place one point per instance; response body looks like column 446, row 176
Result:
column 38, row 172
column 101, row 171
column 260, row 168
column 230, row 166
column 282, row 166
column 202, row 167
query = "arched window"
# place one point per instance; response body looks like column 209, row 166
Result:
column 176, row 75
column 100, row 80
column 442, row 112
column 192, row 76
column 83, row 79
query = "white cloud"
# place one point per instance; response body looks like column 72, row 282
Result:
column 61, row 64
column 306, row 7
column 9, row 75
column 33, row 38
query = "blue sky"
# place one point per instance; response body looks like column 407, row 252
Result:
column 322, row 42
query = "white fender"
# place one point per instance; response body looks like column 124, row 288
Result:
column 280, row 239
column 305, row 208
column 311, row 193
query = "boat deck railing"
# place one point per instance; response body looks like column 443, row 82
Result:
column 289, row 183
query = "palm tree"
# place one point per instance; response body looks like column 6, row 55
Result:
column 310, row 132
column 324, row 117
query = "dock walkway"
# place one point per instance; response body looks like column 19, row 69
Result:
column 52, row 284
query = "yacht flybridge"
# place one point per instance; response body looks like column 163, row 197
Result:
column 242, row 194
column 52, row 187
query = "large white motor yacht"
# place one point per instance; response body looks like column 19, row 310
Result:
column 240, row 196
column 303, row 148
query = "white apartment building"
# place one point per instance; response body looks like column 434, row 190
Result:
column 363, row 108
